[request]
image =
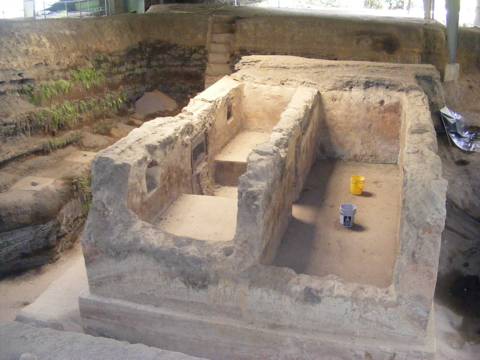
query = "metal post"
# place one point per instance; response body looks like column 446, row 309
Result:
column 428, row 9
column 453, row 11
column 28, row 9
column 476, row 22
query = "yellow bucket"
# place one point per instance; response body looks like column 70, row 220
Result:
column 357, row 183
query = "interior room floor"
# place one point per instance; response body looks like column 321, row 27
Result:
column 238, row 149
column 226, row 191
column 210, row 218
column 315, row 242
column 231, row 161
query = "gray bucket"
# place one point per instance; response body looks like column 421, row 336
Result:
column 347, row 215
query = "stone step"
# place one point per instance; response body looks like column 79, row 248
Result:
column 218, row 69
column 231, row 161
column 224, row 38
column 219, row 48
column 228, row 172
column 219, row 58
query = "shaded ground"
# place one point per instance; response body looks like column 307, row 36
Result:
column 19, row 291
column 451, row 343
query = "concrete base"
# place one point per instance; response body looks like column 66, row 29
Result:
column 57, row 307
column 219, row 338
column 452, row 72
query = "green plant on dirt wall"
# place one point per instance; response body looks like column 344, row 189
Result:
column 64, row 116
column 61, row 142
column 113, row 102
column 46, row 92
column 88, row 78
column 110, row 103
column 59, row 117
column 68, row 114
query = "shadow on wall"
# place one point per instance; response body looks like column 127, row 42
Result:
column 305, row 233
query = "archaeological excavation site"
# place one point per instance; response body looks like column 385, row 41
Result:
column 246, row 179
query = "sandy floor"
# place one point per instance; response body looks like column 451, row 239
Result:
column 316, row 244
column 238, row 149
column 226, row 191
column 197, row 217
column 19, row 291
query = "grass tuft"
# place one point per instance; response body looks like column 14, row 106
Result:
column 82, row 189
column 61, row 142
column 87, row 79
column 68, row 114
column 44, row 93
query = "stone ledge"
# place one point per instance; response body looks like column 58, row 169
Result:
column 214, row 337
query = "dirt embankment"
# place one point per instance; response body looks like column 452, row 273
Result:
column 458, row 284
column 67, row 88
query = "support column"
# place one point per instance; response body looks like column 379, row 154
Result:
column 452, row 71
column 29, row 8
column 477, row 14
column 428, row 6
column 115, row 7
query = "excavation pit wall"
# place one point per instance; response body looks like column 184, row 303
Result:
column 200, row 296
column 134, row 53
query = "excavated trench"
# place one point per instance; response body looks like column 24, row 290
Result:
column 458, row 284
